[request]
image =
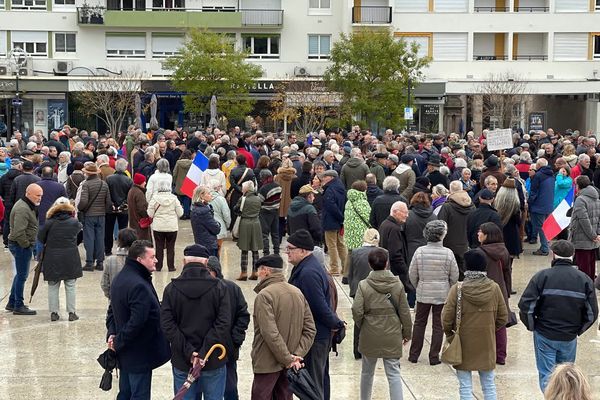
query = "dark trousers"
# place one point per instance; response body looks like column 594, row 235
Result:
column 501, row 344
column 282, row 225
column 135, row 386
column 586, row 262
column 460, row 262
column 437, row 334
column 93, row 239
column 355, row 342
column 186, row 203
column 122, row 220
column 316, row 362
column 162, row 239
column 269, row 224
column 231, row 391
column 22, row 257
column 6, row 227
column 273, row 386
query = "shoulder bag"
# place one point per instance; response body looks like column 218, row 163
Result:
column 364, row 221
column 231, row 189
column 235, row 231
column 452, row 351
column 147, row 221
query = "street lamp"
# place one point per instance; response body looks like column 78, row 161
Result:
column 17, row 58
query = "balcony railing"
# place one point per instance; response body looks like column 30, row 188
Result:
column 533, row 57
column 489, row 58
column 491, row 9
column 95, row 15
column 532, row 9
column 372, row 15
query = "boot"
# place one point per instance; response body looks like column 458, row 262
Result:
column 99, row 267
column 88, row 267
column 254, row 276
column 243, row 276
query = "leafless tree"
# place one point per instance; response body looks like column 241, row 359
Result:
column 506, row 99
column 111, row 98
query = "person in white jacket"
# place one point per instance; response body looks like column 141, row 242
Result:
column 164, row 209
column 162, row 174
column 221, row 213
column 213, row 177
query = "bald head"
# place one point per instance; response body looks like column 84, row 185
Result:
column 399, row 211
column 34, row 193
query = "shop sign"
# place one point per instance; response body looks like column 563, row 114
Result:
column 537, row 120
column 7, row 86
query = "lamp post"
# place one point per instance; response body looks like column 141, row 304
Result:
column 17, row 58
column 409, row 62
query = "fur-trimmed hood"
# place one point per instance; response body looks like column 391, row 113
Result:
column 55, row 209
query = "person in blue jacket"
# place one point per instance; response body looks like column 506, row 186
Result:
column 334, row 203
column 541, row 199
column 310, row 277
column 133, row 323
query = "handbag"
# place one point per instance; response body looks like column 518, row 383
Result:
column 231, row 189
column 452, row 351
column 235, row 231
column 147, row 221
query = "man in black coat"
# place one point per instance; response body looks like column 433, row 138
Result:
column 380, row 209
column 118, row 186
column 196, row 314
column 434, row 174
column 482, row 214
column 303, row 215
column 133, row 323
column 240, row 318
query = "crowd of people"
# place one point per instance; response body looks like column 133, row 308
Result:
column 425, row 222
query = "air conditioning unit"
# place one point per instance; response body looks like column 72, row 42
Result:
column 63, row 67
column 300, row 71
column 27, row 68
column 4, row 70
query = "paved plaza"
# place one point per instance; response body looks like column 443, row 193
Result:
column 57, row 360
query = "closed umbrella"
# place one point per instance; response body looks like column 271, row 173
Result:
column 213, row 111
column 36, row 274
column 302, row 385
column 195, row 371
column 138, row 111
column 153, row 110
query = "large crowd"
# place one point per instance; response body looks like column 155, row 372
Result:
column 425, row 222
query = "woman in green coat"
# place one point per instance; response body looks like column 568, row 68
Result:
column 250, row 233
column 356, row 217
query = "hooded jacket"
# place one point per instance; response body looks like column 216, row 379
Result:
column 418, row 217
column 498, row 267
column 585, row 219
column 372, row 192
column 406, row 175
column 356, row 218
column 455, row 213
column 204, row 225
column 541, row 194
column 303, row 215
column 165, row 209
column 382, row 327
column 155, row 181
column 355, row 169
column 483, row 313
column 195, row 314
column 214, row 178
column 5, row 184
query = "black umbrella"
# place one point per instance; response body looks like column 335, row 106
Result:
column 108, row 361
column 302, row 385
column 36, row 275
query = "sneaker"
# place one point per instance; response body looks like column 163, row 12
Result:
column 73, row 317
column 54, row 317
column 24, row 310
column 539, row 252
column 88, row 267
column 9, row 307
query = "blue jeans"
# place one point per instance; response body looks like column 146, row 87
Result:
column 186, row 203
column 22, row 258
column 537, row 220
column 549, row 353
column 93, row 239
column 135, row 386
column 488, row 386
column 210, row 385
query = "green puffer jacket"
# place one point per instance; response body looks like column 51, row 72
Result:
column 381, row 327
column 357, row 206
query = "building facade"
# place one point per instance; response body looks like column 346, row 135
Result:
column 550, row 46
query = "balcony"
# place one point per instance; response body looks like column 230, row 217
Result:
column 490, row 47
column 532, row 9
column 182, row 18
column 479, row 57
column 484, row 9
column 372, row 15
column 492, row 6
column 530, row 46
column 532, row 6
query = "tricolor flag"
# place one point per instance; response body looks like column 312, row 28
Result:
column 558, row 220
column 194, row 175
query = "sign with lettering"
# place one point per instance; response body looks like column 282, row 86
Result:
column 537, row 121
column 499, row 139
column 7, row 86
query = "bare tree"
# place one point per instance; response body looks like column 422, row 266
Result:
column 506, row 100
column 111, row 99
column 304, row 105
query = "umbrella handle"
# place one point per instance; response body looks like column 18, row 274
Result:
column 213, row 348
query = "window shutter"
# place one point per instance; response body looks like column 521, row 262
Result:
column 126, row 43
column 29, row 36
column 325, row 44
column 572, row 5
column 450, row 46
column 422, row 41
column 571, row 46
column 261, row 5
column 167, row 44
column 313, row 44
column 451, row 6
column 412, row 5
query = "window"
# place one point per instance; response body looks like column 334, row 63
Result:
column 34, row 43
column 165, row 45
column 263, row 47
column 64, row 43
column 319, row 4
column 3, row 44
column 597, row 5
column 571, row 46
column 596, row 48
column 1, row 4
column 450, row 46
column 126, row 5
column 421, row 40
column 412, row 6
column 28, row 4
column 319, row 47
column 125, row 46
column 168, row 4
column 572, row 6
column 64, row 2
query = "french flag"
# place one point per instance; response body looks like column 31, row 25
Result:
column 194, row 175
column 558, row 220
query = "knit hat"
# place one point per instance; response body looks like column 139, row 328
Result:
column 371, row 237
column 562, row 248
column 423, row 181
column 492, row 161
column 271, row 261
column 196, row 250
column 475, row 260
column 302, row 239
column 139, row 179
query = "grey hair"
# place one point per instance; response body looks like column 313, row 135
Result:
column 440, row 190
column 121, row 165
column 397, row 206
column 65, row 154
column 460, row 163
column 391, row 183
column 525, row 156
column 163, row 166
column 583, row 157
column 444, row 170
column 265, row 173
column 355, row 152
column 231, row 155
column 542, row 162
column 455, row 186
column 199, row 191
column 370, row 179
column 103, row 158
column 489, row 179
column 435, row 231
column 248, row 186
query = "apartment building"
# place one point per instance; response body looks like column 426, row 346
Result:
column 550, row 44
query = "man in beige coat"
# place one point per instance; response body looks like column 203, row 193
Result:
column 284, row 330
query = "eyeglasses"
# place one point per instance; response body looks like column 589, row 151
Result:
column 290, row 248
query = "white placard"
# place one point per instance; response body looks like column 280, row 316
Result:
column 499, row 139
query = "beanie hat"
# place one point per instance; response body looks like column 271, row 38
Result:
column 271, row 261
column 475, row 260
column 371, row 237
column 302, row 239
column 138, row 179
